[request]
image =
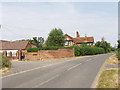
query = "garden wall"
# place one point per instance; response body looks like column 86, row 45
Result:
column 60, row 53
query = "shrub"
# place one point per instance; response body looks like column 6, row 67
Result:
column 118, row 54
column 32, row 49
column 43, row 48
column 4, row 62
column 113, row 49
column 79, row 51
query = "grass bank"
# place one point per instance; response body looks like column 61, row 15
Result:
column 112, row 60
column 109, row 79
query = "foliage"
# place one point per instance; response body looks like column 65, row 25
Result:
column 79, row 51
column 105, row 45
column 43, row 48
column 118, row 54
column 4, row 62
column 38, row 41
column 113, row 49
column 84, row 45
column 55, row 38
column 118, row 43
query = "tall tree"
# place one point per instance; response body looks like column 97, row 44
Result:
column 56, row 38
column 38, row 41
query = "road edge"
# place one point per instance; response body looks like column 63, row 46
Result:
column 95, row 82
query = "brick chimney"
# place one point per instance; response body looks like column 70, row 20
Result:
column 77, row 34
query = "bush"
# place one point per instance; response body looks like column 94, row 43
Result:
column 32, row 49
column 118, row 54
column 43, row 48
column 113, row 49
column 4, row 62
column 79, row 51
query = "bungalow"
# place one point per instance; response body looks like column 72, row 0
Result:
column 70, row 41
column 12, row 47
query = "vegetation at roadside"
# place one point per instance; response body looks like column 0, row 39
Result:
column 105, row 45
column 118, row 50
column 56, row 38
column 4, row 62
column 79, row 51
column 112, row 60
column 109, row 79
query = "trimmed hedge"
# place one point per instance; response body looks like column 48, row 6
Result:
column 4, row 62
column 79, row 51
column 43, row 48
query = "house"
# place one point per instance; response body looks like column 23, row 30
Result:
column 70, row 41
column 12, row 47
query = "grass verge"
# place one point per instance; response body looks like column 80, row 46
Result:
column 112, row 60
column 109, row 79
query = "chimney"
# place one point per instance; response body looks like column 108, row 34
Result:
column 77, row 34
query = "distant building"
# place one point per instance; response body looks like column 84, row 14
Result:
column 70, row 41
column 12, row 47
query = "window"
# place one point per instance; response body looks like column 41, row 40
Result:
column 67, row 43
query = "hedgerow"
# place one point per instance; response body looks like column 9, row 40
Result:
column 79, row 51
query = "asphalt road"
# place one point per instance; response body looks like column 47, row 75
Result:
column 74, row 73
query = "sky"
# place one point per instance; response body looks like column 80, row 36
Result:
column 24, row 20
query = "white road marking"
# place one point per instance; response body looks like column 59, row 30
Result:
column 87, row 60
column 33, row 69
column 73, row 67
column 46, row 81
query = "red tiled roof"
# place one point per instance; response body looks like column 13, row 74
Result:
column 15, row 45
column 83, row 39
column 70, row 38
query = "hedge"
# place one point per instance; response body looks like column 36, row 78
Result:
column 4, row 62
column 43, row 48
column 79, row 51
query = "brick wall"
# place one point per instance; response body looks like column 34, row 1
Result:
column 60, row 53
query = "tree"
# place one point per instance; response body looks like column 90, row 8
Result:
column 118, row 43
column 55, row 38
column 37, row 41
column 103, row 44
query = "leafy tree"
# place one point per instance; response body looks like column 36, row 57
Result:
column 97, row 44
column 55, row 38
column 103, row 44
column 118, row 43
column 37, row 41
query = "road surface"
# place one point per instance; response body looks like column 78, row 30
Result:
column 74, row 73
